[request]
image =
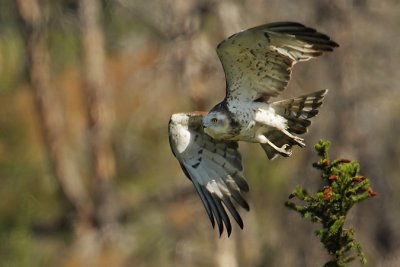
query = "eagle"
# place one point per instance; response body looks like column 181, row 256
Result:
column 257, row 63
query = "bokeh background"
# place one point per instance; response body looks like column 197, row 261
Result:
column 86, row 91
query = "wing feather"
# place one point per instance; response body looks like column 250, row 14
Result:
column 213, row 166
column 229, row 205
column 223, row 215
column 205, row 201
column 258, row 61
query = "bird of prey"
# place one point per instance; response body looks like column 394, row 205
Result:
column 257, row 63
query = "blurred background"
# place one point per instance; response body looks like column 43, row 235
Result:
column 86, row 91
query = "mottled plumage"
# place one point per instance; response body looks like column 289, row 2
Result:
column 257, row 63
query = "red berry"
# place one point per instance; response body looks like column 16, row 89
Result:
column 371, row 192
column 332, row 178
column 325, row 162
column 327, row 190
column 344, row 161
column 358, row 179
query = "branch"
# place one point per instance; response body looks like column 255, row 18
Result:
column 99, row 110
column 343, row 188
column 47, row 102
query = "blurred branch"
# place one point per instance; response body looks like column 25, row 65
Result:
column 99, row 110
column 51, row 117
column 226, row 254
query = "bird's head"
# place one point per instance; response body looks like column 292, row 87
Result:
column 217, row 124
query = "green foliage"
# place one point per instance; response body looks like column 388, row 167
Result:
column 342, row 188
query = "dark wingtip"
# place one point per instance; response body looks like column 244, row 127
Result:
column 284, row 24
column 221, row 230
column 304, row 33
column 212, row 222
column 333, row 43
column 229, row 231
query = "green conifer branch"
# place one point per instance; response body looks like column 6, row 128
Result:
column 342, row 188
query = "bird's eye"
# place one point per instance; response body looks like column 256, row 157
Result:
column 214, row 120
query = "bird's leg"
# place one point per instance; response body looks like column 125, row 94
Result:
column 269, row 119
column 281, row 150
column 299, row 141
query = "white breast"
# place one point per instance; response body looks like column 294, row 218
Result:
column 255, row 117
column 266, row 115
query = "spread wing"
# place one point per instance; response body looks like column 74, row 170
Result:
column 258, row 61
column 214, row 167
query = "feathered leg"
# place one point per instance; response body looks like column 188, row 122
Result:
column 284, row 150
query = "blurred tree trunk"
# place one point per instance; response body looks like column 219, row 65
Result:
column 51, row 117
column 100, row 112
column 225, row 254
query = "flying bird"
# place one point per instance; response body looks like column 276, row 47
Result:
column 257, row 63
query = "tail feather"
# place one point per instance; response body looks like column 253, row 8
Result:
column 297, row 111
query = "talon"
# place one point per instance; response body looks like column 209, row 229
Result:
column 299, row 141
column 283, row 150
column 284, row 146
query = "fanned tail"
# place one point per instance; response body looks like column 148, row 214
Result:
column 297, row 111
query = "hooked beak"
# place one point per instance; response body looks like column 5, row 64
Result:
column 206, row 129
